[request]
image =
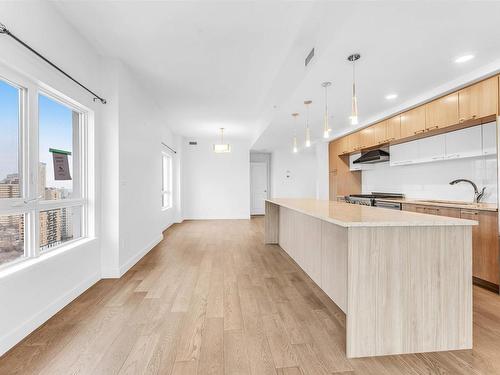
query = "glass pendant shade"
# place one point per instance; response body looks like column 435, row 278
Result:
column 294, row 144
column 354, row 101
column 222, row 147
column 308, row 131
column 326, row 127
column 354, row 110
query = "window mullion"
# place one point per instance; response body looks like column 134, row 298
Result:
column 31, row 156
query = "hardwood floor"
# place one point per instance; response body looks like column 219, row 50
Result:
column 213, row 299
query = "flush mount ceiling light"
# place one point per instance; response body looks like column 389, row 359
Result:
column 326, row 127
column 354, row 101
column 295, row 147
column 308, row 131
column 464, row 58
column 222, row 147
column 391, row 96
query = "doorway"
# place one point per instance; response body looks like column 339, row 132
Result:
column 259, row 187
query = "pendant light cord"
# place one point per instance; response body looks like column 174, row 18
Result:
column 5, row 31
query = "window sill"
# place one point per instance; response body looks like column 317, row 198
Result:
column 22, row 264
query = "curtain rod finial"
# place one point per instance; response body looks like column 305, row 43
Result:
column 103, row 101
column 3, row 28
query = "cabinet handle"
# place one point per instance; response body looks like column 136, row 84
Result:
column 419, row 131
column 473, row 117
column 453, row 156
column 470, row 212
column 433, row 127
column 461, row 120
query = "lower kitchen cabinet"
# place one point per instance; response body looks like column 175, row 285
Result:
column 484, row 238
column 484, row 245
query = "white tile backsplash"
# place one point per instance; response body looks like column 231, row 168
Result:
column 431, row 180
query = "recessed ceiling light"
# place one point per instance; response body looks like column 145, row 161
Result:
column 464, row 58
column 391, row 96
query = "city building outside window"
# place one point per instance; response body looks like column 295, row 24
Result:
column 166, row 189
column 39, row 211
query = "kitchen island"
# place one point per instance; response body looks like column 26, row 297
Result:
column 403, row 279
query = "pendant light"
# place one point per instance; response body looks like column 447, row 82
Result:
column 326, row 128
column 295, row 147
column 308, row 131
column 354, row 105
column 222, row 147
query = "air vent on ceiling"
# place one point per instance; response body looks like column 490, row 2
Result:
column 309, row 57
column 193, row 143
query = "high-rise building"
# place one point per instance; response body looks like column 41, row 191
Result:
column 42, row 178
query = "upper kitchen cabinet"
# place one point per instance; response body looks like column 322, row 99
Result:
column 333, row 152
column 478, row 100
column 412, row 122
column 464, row 143
column 442, row 112
column 343, row 145
column 379, row 132
column 354, row 141
column 489, row 138
column 393, row 129
column 367, row 137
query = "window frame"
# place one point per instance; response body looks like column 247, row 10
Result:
column 166, row 191
column 29, row 204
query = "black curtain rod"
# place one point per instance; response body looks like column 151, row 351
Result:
column 170, row 148
column 4, row 30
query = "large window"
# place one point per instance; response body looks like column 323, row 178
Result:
column 42, row 170
column 166, row 188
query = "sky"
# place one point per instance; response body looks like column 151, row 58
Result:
column 55, row 131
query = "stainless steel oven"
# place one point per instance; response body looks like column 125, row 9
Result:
column 385, row 204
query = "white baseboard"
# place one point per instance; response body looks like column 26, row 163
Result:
column 134, row 259
column 17, row 334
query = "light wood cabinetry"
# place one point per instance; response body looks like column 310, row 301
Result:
column 354, row 141
column 432, row 210
column 412, row 122
column 333, row 155
column 478, row 100
column 379, row 132
column 343, row 145
column 442, row 112
column 485, row 256
column 367, row 138
column 485, row 265
column 393, row 131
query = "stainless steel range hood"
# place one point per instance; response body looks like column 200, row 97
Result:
column 372, row 157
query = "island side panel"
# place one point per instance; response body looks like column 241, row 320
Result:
column 334, row 263
column 409, row 290
column 300, row 237
column 271, row 223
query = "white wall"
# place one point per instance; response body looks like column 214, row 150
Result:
column 431, row 180
column 322, row 170
column 126, row 168
column 33, row 291
column 141, row 133
column 294, row 175
column 215, row 186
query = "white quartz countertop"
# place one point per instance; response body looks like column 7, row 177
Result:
column 353, row 215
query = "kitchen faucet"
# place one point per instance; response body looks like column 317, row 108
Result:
column 477, row 195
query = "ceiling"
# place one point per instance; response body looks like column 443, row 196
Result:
column 240, row 65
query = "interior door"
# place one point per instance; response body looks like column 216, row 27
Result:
column 258, row 187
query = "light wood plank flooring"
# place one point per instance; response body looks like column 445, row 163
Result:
column 213, row 299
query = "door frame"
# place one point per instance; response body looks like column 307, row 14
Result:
column 266, row 163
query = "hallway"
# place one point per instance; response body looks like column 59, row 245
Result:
column 212, row 299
